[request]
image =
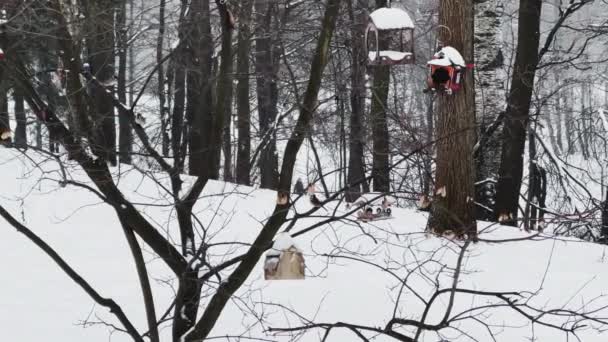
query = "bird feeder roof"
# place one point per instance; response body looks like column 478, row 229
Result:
column 447, row 56
column 391, row 19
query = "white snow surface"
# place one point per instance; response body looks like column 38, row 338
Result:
column 451, row 57
column 342, row 284
column 393, row 55
column 282, row 242
column 391, row 19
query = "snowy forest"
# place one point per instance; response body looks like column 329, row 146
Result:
column 304, row 170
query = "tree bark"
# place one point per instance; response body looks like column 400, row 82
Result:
column 266, row 67
column 356, row 165
column 125, row 132
column 223, row 115
column 489, row 94
column 453, row 204
column 160, row 89
column 20, row 119
column 517, row 113
column 243, row 153
column 179, row 84
column 101, row 53
column 380, row 88
column 200, row 82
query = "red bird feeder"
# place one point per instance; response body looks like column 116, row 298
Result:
column 1, row 54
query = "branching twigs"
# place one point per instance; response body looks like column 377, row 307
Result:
column 96, row 169
column 70, row 272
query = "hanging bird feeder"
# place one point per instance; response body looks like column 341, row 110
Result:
column 284, row 260
column 1, row 54
column 446, row 71
column 389, row 38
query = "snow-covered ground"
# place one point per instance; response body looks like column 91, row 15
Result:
column 362, row 275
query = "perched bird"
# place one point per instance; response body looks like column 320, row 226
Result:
column 315, row 201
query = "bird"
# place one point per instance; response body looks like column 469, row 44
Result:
column 315, row 201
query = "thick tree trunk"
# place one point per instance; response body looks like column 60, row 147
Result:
column 266, row 67
column 243, row 153
column 101, row 52
column 517, row 113
column 453, row 204
column 489, row 94
column 380, row 88
column 356, row 166
column 125, row 133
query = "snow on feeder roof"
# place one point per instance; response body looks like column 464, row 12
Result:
column 447, row 56
column 391, row 19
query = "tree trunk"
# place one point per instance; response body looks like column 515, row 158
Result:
column 200, row 82
column 223, row 113
column 243, row 153
column 162, row 102
column 179, row 80
column 101, row 53
column 4, row 118
column 266, row 66
column 125, row 133
column 20, row 118
column 517, row 113
column 489, row 94
column 356, row 166
column 380, row 88
column 453, row 204
column 604, row 230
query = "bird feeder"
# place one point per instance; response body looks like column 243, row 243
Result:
column 1, row 54
column 284, row 260
column 389, row 37
column 446, row 71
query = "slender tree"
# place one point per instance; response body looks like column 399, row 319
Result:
column 266, row 68
column 100, row 43
column 356, row 166
column 517, row 113
column 243, row 153
column 381, row 84
column 223, row 115
column 125, row 133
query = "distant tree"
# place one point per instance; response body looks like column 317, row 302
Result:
column 100, row 44
column 356, row 165
column 267, row 59
column 381, row 83
column 243, row 153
